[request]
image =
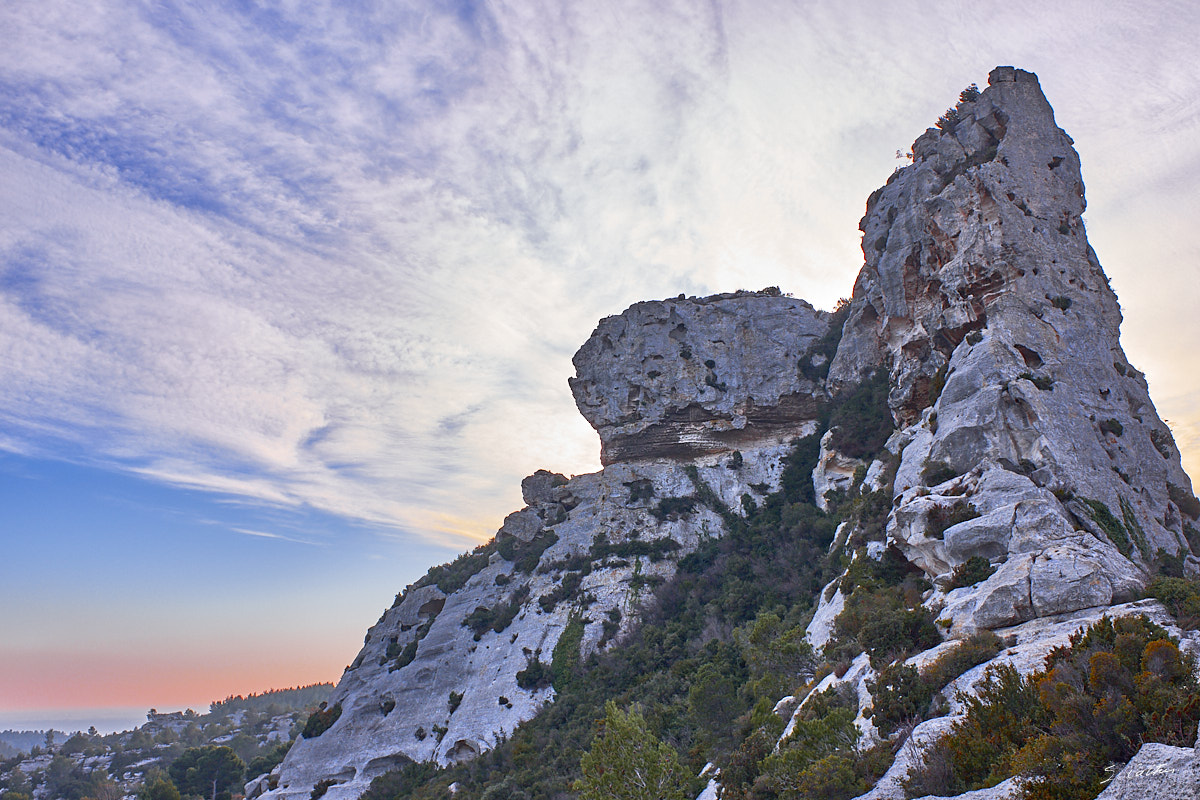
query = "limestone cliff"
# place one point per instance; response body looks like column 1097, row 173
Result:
column 1020, row 438
column 984, row 302
column 696, row 400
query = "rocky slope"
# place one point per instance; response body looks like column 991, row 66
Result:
column 696, row 409
column 1022, row 423
column 1023, row 440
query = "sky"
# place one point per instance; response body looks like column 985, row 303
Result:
column 289, row 291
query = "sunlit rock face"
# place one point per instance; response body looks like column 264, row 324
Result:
column 686, row 377
column 984, row 302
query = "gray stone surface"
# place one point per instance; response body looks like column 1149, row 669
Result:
column 1157, row 772
column 687, row 377
column 978, row 276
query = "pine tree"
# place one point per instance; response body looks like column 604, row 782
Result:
column 626, row 762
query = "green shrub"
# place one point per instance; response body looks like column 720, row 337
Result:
column 975, row 569
column 405, row 657
column 536, row 675
column 937, row 473
column 564, row 661
column 1134, row 528
column 567, row 588
column 942, row 518
column 407, row 780
column 1109, row 524
column 1120, row 683
column 1061, row 302
column 525, row 555
column 971, row 652
column 898, row 695
column 1180, row 596
column 454, row 701
column 268, row 761
column 321, row 720
column 321, row 787
column 861, row 420
column 673, row 508
column 627, row 762
column 453, row 576
column 815, row 365
column 498, row 617
column 949, row 119
column 654, row 549
column 209, row 771
column 640, row 489
column 896, row 632
column 1185, row 500
column 1043, row 382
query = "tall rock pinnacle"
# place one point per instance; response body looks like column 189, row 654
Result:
column 982, row 298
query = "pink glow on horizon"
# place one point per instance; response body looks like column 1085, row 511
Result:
column 46, row 680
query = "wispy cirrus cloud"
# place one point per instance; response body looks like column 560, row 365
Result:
column 340, row 257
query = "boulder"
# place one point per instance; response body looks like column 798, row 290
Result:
column 693, row 376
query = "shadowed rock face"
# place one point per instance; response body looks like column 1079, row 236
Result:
column 687, row 377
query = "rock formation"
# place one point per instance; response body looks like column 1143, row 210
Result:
column 696, row 396
column 1023, row 439
column 985, row 303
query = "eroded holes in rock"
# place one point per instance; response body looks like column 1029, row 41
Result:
column 462, row 751
column 678, row 332
column 1054, row 162
column 1032, row 359
column 432, row 608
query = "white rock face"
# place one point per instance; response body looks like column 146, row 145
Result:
column 1043, row 445
column 820, row 628
column 685, row 377
column 834, row 472
column 398, row 699
column 1157, row 772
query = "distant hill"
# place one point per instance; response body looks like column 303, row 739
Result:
column 258, row 730
column 15, row 742
column 273, row 701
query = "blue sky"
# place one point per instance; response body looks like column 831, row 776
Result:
column 288, row 293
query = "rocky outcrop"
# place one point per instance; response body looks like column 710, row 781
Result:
column 709, row 393
column 1023, row 440
column 1158, row 772
column 687, row 377
column 1027, row 439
